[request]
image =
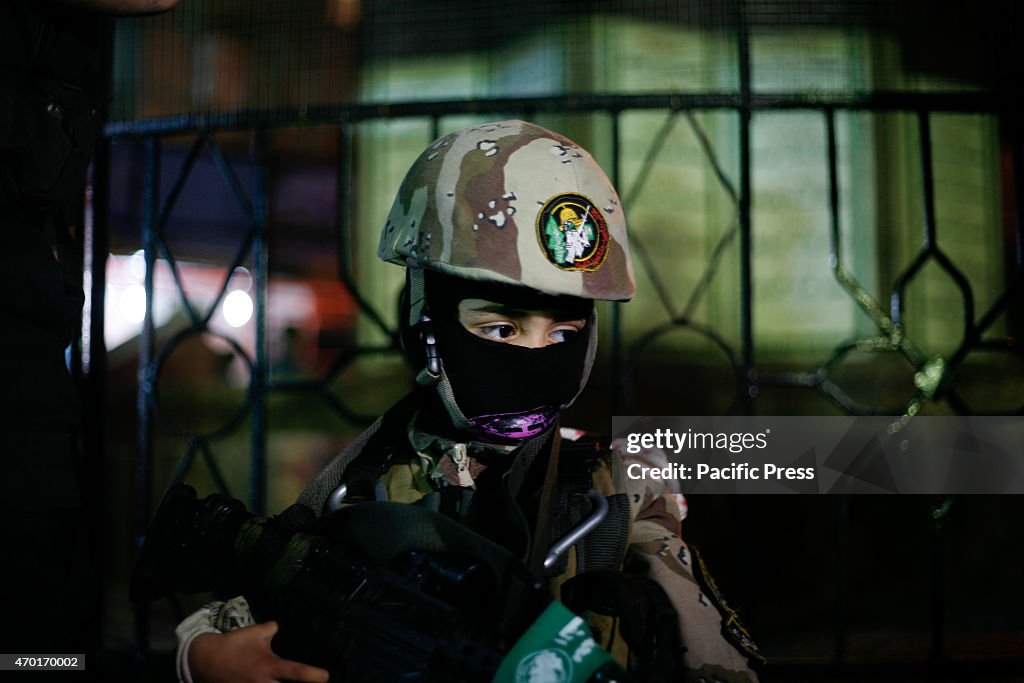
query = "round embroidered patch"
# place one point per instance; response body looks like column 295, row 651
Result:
column 572, row 232
column 545, row 666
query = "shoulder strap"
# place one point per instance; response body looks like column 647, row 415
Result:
column 605, row 547
column 319, row 490
column 357, row 453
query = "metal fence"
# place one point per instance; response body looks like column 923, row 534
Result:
column 932, row 373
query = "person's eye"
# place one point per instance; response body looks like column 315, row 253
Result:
column 562, row 334
column 498, row 331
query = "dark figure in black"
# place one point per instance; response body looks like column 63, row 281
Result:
column 52, row 94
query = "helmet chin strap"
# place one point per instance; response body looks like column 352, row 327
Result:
column 433, row 373
column 420, row 320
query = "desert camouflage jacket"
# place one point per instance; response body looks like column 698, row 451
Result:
column 715, row 646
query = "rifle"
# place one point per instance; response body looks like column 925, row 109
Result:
column 434, row 602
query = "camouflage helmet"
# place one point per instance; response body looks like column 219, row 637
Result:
column 512, row 202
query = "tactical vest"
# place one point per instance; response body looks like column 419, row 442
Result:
column 560, row 479
column 629, row 613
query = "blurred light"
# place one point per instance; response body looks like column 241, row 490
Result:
column 132, row 303
column 237, row 308
column 344, row 13
column 241, row 278
column 137, row 265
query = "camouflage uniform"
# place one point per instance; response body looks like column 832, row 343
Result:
column 513, row 203
column 716, row 647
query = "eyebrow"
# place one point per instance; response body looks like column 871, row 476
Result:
column 513, row 312
column 499, row 308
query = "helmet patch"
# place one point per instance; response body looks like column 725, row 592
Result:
column 572, row 232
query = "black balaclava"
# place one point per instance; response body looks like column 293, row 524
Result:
column 504, row 393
